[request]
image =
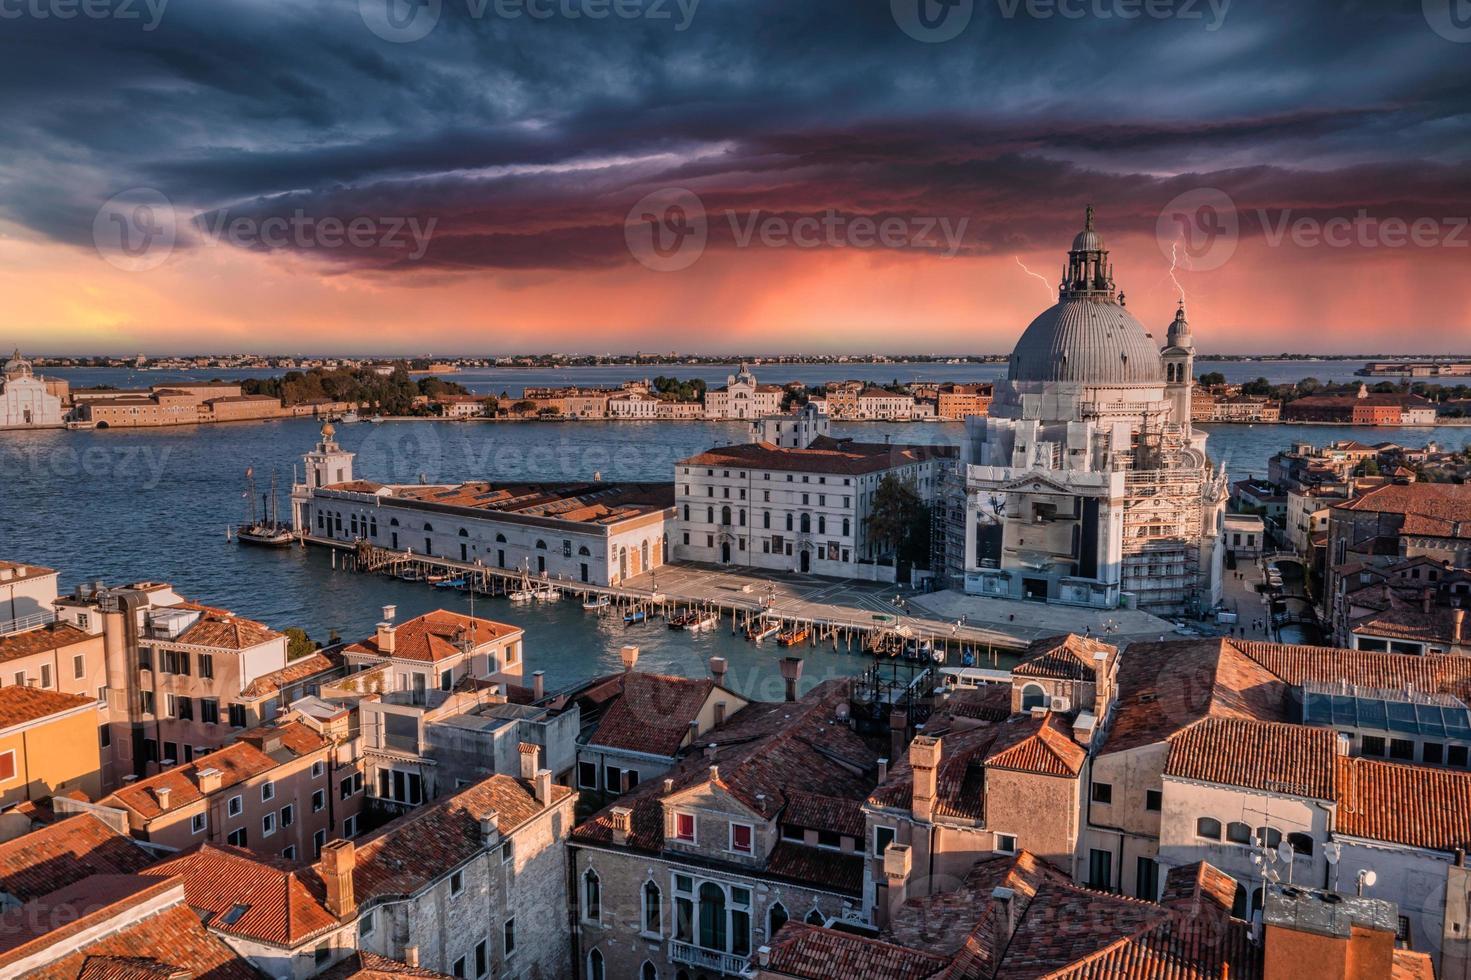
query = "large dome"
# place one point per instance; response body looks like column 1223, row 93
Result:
column 1089, row 341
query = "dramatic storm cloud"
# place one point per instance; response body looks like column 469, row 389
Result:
column 482, row 174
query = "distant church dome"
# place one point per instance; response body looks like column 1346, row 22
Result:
column 1087, row 337
column 17, row 367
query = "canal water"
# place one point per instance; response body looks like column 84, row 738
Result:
column 124, row 506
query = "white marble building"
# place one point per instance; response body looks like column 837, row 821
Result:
column 25, row 401
column 1086, row 484
column 742, row 398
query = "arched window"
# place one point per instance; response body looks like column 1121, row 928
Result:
column 644, row 551
column 775, row 919
column 464, row 533
column 845, row 527
column 806, row 523
column 709, row 515
column 1238, row 832
column 816, row 918
column 500, row 539
column 789, row 521
column 725, row 516
column 1238, row 902
column 541, row 545
column 583, row 552
column 393, row 522
column 712, row 916
column 743, row 517
column 428, row 526
column 595, row 965
column 1301, row 844
column 648, row 971
column 592, row 896
column 1034, row 696
column 1208, row 828
column 652, row 908
column 1270, row 836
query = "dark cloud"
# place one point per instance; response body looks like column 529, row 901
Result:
column 526, row 141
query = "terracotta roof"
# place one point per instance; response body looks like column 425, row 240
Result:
column 237, row 762
column 801, row 950
column 823, row 455
column 1295, row 665
column 297, row 670
column 278, row 907
column 652, row 714
column 365, row 965
column 832, row 870
column 578, row 503
column 1191, row 887
column 1417, row 806
column 174, row 940
column 53, row 636
column 19, row 705
column 818, row 812
column 1433, row 509
column 356, row 486
column 432, row 637
column 408, row 853
column 960, row 782
column 1067, row 657
column 226, row 631
column 1410, row 965
column 1037, row 745
column 63, row 853
column 1164, row 687
column 21, row 571
column 770, row 757
column 1293, row 760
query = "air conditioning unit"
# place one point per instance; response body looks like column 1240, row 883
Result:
column 1060, row 703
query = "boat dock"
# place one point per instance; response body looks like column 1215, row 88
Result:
column 847, row 616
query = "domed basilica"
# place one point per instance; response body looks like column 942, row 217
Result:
column 1087, row 484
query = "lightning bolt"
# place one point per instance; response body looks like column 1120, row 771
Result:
column 1047, row 286
column 1175, row 264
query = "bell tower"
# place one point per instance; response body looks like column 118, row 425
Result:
column 1178, row 356
column 328, row 462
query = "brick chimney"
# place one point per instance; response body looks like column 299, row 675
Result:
column 530, row 760
column 622, row 818
column 208, row 779
column 898, row 863
column 1003, row 910
column 791, row 672
column 490, row 830
column 543, row 785
column 629, row 655
column 385, row 637
column 162, row 793
column 338, row 860
column 411, row 956
column 924, row 760
column 718, row 666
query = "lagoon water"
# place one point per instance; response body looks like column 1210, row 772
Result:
column 123, row 506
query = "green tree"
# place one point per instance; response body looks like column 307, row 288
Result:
column 1213, row 379
column 900, row 521
column 1260, row 387
column 298, row 644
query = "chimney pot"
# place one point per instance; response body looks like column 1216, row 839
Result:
column 622, row 817
column 162, row 792
column 530, row 760
column 338, row 860
column 629, row 656
column 883, row 770
column 668, row 786
column 538, row 684
column 714, row 773
column 544, row 787
column 718, row 667
column 411, row 956
column 791, row 672
column 490, row 830
column 385, row 637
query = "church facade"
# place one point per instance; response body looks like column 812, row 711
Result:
column 1086, row 484
column 25, row 400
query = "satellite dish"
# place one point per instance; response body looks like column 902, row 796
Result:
column 1368, row 877
column 1332, row 853
column 1273, row 876
column 1284, row 852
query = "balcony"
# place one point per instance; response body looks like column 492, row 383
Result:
column 708, row 959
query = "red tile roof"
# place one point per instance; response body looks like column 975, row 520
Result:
column 297, row 670
column 279, row 907
column 652, row 714
column 1417, row 806
column 19, row 705
column 53, row 636
column 1293, row 760
column 407, row 854
column 365, row 965
column 225, row 631
column 1068, row 657
column 801, row 950
column 823, row 455
column 65, row 852
column 1037, row 745
column 434, row 636
column 1431, row 509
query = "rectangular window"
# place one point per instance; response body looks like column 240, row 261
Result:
column 456, row 883
column 684, row 827
column 458, row 970
column 289, row 852
column 1006, row 843
column 1373, row 745
column 79, row 666
column 267, row 791
column 7, row 765
column 1402, row 749
column 319, row 840
column 237, row 716
column 206, row 665
column 317, row 769
column 741, row 838
column 198, row 823
column 366, row 923
column 882, row 838
column 1146, row 879
column 1456, row 756
column 288, row 815
column 319, row 801
column 1432, row 753
column 1100, row 870
column 508, row 933
column 350, row 785
column 209, row 711
column 237, row 838
column 1103, row 793
column 268, row 825
column 1153, row 800
column 350, row 826
column 235, row 806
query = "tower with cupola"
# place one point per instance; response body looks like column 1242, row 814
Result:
column 1178, row 356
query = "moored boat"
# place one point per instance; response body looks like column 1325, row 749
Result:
column 792, row 637
column 597, row 604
